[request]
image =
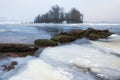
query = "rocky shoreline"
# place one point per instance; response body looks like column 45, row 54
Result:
column 22, row 50
column 66, row 37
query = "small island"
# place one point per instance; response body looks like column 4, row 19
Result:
column 58, row 15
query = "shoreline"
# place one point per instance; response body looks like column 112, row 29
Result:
column 38, row 24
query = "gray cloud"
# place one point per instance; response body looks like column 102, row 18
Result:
column 93, row 10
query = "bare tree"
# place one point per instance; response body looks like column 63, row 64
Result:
column 57, row 15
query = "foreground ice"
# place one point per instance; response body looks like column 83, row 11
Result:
column 87, row 57
column 74, row 61
column 39, row 70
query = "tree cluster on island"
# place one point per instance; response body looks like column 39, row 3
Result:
column 57, row 15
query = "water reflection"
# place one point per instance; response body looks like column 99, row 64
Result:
column 29, row 33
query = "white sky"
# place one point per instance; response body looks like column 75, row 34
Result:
column 93, row 10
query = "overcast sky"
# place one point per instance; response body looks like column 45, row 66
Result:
column 93, row 10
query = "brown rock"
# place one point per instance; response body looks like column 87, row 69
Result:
column 9, row 47
column 20, row 54
column 45, row 43
column 77, row 33
column 63, row 38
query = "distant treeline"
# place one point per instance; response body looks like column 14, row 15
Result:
column 57, row 15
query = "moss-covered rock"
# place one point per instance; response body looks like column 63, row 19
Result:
column 93, row 36
column 100, row 35
column 45, row 42
column 9, row 47
column 63, row 38
column 55, row 38
column 90, row 33
column 17, row 50
column 76, row 33
column 104, row 34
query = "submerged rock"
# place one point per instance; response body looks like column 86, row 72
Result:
column 45, row 43
column 10, row 67
column 63, row 38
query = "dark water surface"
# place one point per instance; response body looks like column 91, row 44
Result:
column 27, row 33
